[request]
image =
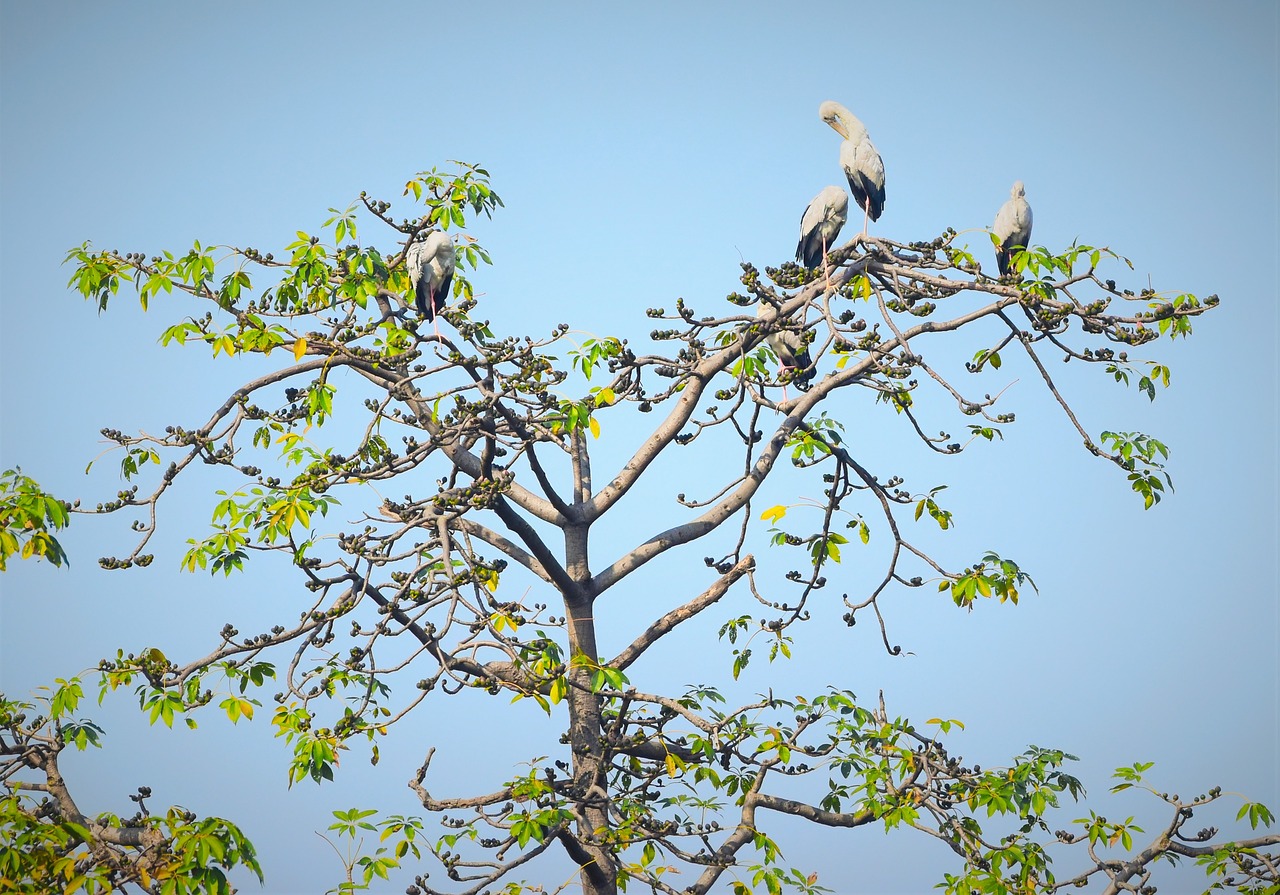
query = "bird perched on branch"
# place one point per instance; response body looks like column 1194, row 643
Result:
column 791, row 350
column 1012, row 227
column 431, row 262
column 861, row 162
column 820, row 226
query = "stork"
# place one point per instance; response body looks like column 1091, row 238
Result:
column 791, row 350
column 861, row 162
column 820, row 226
column 431, row 262
column 1012, row 227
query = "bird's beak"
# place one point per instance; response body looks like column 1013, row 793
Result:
column 838, row 126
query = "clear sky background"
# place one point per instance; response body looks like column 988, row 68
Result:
column 642, row 153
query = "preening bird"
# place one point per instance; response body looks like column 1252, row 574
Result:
column 821, row 224
column 791, row 350
column 1012, row 227
column 861, row 162
column 431, row 262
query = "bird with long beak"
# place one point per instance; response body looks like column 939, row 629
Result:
column 862, row 164
column 820, row 226
column 431, row 261
column 1012, row 227
column 792, row 352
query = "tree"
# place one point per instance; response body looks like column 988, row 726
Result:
column 486, row 579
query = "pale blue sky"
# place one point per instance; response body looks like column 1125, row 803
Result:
column 642, row 154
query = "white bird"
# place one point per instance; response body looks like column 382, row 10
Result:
column 1012, row 227
column 791, row 350
column 431, row 262
column 821, row 224
column 861, row 162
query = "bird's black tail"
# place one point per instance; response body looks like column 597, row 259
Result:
column 809, row 251
column 1004, row 258
column 868, row 196
column 1002, row 261
column 803, row 377
column 422, row 300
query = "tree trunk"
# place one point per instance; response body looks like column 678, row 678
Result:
column 586, row 732
column 586, row 739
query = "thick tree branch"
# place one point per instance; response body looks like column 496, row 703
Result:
column 509, row 548
column 682, row 613
column 809, row 812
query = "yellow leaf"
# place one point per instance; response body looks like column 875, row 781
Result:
column 672, row 768
column 605, row 397
column 595, row 427
column 773, row 514
column 492, row 582
column 299, row 348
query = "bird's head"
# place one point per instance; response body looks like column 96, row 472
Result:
column 840, row 119
column 1018, row 190
column 835, row 198
column 436, row 241
column 829, row 112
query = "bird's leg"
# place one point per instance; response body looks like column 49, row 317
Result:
column 866, row 218
column 782, row 371
column 826, row 265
